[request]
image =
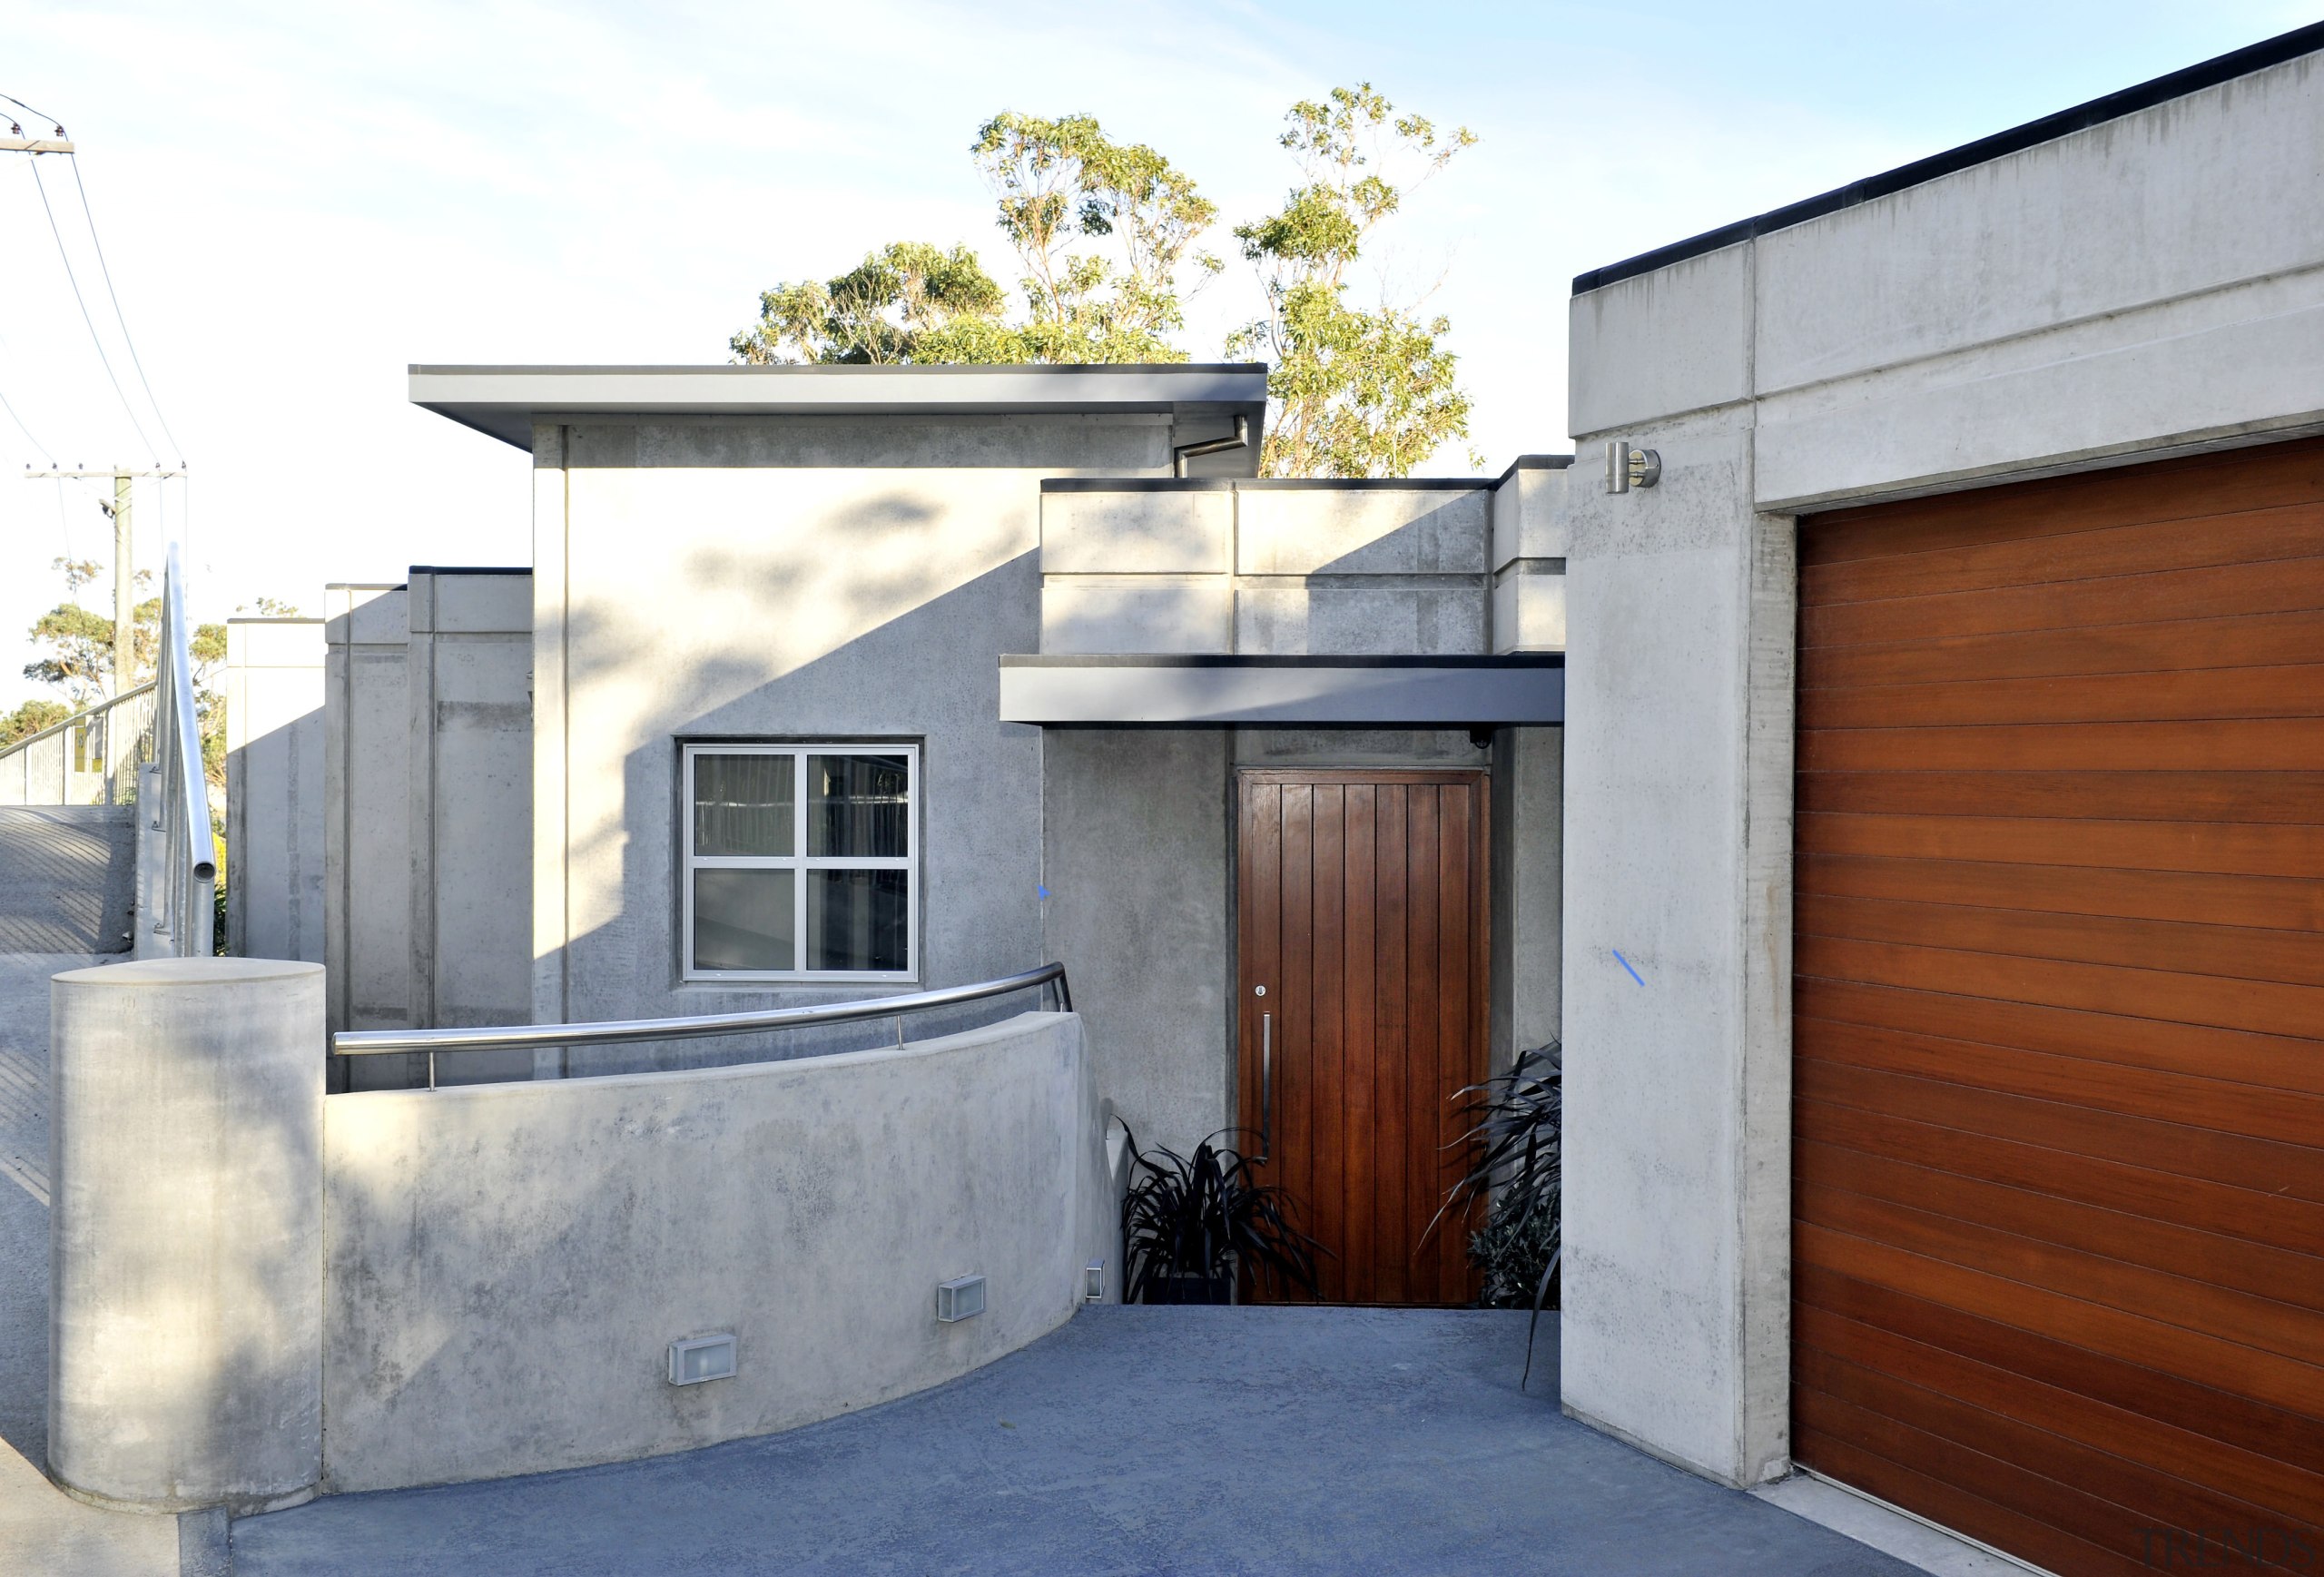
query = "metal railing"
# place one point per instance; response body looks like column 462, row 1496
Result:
column 630, row 1032
column 179, row 908
column 89, row 759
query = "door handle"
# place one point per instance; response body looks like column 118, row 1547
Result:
column 1267, row 1086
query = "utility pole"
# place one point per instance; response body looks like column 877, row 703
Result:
column 124, row 577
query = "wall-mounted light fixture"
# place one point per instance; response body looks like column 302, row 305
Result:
column 1627, row 468
column 1093, row 1282
column 695, row 1359
column 961, row 1299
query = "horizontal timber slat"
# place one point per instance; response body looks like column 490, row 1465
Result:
column 2192, row 488
column 2227, row 641
column 2270, row 1484
column 2264, row 1166
column 2138, row 795
column 2294, row 1225
column 2255, row 1425
column 2208, row 1258
column 2197, row 897
column 2240, row 952
column 1943, row 701
column 2212, row 848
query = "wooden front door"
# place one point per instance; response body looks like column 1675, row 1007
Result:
column 1362, row 904
column 2058, row 1167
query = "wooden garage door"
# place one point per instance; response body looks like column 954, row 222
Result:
column 2058, row 1174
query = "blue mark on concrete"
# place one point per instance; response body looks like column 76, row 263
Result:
column 1041, row 889
column 1626, row 964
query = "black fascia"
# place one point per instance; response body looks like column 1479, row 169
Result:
column 2128, row 100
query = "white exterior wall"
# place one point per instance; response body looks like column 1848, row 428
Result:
column 2148, row 286
column 274, row 788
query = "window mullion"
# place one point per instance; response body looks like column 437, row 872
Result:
column 799, row 847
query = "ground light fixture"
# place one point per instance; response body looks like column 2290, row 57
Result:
column 1093, row 1282
column 694, row 1359
column 961, row 1299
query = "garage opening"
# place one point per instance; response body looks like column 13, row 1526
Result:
column 2059, row 1011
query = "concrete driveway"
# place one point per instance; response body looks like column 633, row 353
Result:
column 1135, row 1440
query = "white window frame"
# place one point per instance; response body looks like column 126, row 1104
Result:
column 801, row 862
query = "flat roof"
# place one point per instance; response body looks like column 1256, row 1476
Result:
column 2114, row 106
column 505, row 401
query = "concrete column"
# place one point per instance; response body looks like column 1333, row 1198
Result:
column 275, row 751
column 185, row 1150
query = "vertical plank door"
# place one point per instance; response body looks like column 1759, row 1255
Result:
column 1361, row 907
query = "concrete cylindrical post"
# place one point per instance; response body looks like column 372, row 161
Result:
column 185, row 1155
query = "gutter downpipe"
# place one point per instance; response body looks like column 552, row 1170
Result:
column 1182, row 453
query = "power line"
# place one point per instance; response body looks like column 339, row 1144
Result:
column 94, row 338
column 39, row 447
column 35, row 113
column 134, row 359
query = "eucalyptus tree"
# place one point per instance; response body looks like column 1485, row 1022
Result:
column 1103, row 230
column 1107, row 237
column 1357, row 392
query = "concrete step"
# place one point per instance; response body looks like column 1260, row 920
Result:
column 67, row 875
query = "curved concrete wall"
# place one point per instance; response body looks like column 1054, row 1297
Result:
column 506, row 1265
column 186, row 1240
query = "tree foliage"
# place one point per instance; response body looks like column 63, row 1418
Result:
column 1357, row 392
column 1107, row 238
column 77, row 657
column 30, row 718
column 1104, row 231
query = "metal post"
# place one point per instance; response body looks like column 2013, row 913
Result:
column 125, row 593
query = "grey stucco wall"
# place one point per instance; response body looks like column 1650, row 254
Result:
column 469, row 683
column 2154, row 284
column 275, row 805
column 1528, row 889
column 367, row 847
column 506, row 1265
column 428, row 850
column 1137, row 835
column 785, row 578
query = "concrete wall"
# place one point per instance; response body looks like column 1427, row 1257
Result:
column 506, row 1265
column 275, row 806
column 367, row 838
column 1138, row 855
column 470, row 680
column 186, row 1247
column 1528, row 889
column 2151, row 285
column 1283, row 568
column 428, row 849
column 786, row 578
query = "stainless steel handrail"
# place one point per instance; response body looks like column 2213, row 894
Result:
column 621, row 1032
column 179, row 813
column 17, row 757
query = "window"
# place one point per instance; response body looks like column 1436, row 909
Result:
column 800, row 861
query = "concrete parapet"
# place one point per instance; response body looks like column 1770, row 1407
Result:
column 186, row 1240
column 508, row 1264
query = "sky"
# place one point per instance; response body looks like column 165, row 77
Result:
column 296, row 202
